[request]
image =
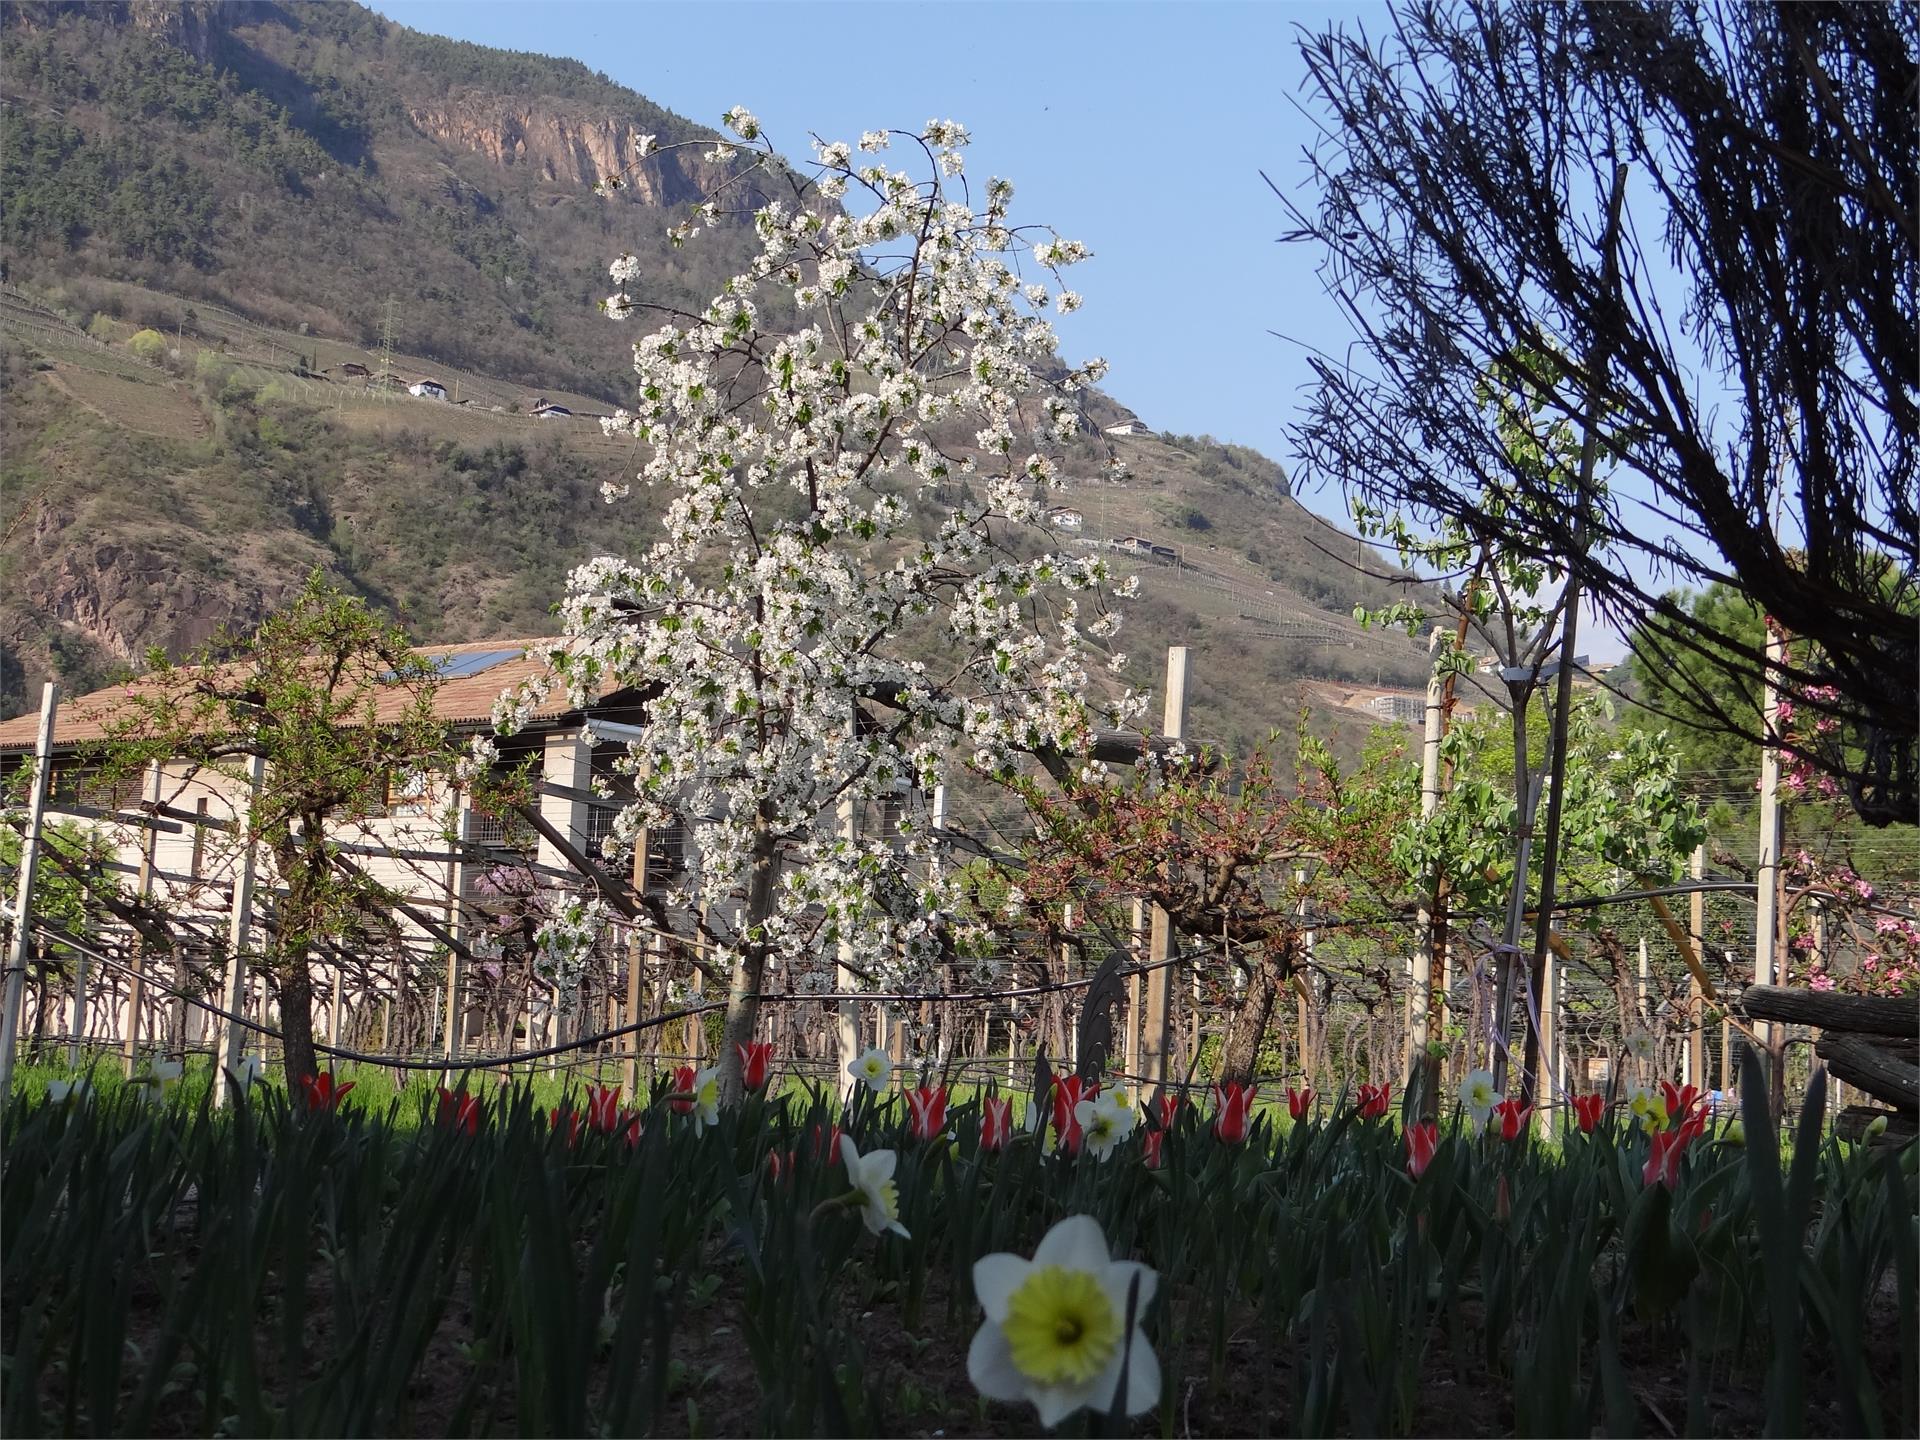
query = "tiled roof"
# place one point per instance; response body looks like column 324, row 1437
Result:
column 462, row 698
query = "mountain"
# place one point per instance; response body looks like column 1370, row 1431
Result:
column 215, row 213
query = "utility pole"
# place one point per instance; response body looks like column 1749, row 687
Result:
column 23, row 908
column 1158, row 1035
column 1570, row 626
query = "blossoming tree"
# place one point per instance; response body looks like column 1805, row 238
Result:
column 850, row 447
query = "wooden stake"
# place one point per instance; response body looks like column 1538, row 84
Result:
column 239, row 928
column 848, row 1028
column 23, row 906
column 1696, row 995
column 637, row 955
column 136, row 978
column 457, row 927
column 1767, row 879
column 1158, row 1033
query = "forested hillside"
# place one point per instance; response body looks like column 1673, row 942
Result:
column 215, row 214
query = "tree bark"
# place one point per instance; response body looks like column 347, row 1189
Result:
column 1883, row 1076
column 1240, row 1054
column 743, row 1006
column 296, row 1017
column 1857, row 1014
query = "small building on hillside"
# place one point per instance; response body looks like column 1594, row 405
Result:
column 427, row 390
column 1066, row 517
column 1130, row 426
column 548, row 411
column 354, row 371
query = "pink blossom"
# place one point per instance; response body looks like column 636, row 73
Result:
column 1821, row 982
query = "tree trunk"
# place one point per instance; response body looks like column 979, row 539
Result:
column 1240, row 1054
column 296, row 1016
column 743, row 1006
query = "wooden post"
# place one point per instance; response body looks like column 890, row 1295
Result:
column 1299, row 986
column 1550, row 1066
column 1134, row 990
column 457, row 927
column 23, row 906
column 1159, row 987
column 848, row 1026
column 1767, row 877
column 1420, row 992
column 1696, row 998
column 638, row 953
column 137, row 967
column 239, row 927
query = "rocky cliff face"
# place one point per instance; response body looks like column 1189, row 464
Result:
column 195, row 26
column 571, row 149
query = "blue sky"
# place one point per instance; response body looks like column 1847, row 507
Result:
column 1141, row 129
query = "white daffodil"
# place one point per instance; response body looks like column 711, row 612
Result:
column 1056, row 1328
column 1478, row 1097
column 250, row 1069
column 1640, row 1045
column 67, row 1092
column 875, row 1069
column 160, row 1074
column 872, row 1177
column 1104, row 1122
column 706, row 1099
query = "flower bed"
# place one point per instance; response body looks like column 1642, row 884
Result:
column 929, row 1264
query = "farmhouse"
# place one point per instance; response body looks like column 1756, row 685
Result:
column 352, row 370
column 172, row 837
column 1132, row 425
column 548, row 411
column 428, row 390
column 1066, row 517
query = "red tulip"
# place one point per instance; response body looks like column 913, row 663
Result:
column 926, row 1111
column 603, row 1108
column 321, row 1091
column 1422, row 1140
column 1233, row 1111
column 1373, row 1101
column 1069, row 1091
column 1664, row 1156
column 1166, row 1107
column 683, row 1086
column 1153, row 1142
column 996, row 1123
column 1513, row 1118
column 1588, row 1109
column 461, row 1111
column 756, row 1063
column 1679, row 1100
column 629, row 1125
column 1694, row 1125
column 1502, row 1202
column 779, row 1165
column 1299, row 1102
column 574, row 1121
column 829, row 1145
